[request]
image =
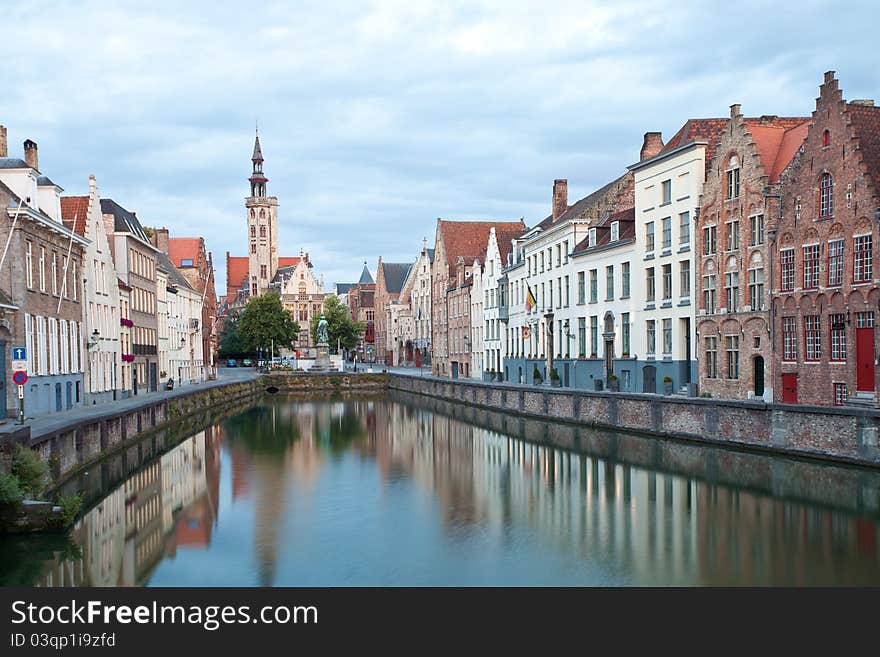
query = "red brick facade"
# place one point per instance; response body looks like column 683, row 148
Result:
column 825, row 283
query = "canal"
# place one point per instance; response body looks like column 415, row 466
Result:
column 402, row 490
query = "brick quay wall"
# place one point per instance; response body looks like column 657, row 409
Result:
column 839, row 434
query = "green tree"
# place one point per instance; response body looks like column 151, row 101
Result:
column 341, row 328
column 230, row 342
column 263, row 321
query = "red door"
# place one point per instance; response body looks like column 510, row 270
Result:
column 789, row 388
column 865, row 359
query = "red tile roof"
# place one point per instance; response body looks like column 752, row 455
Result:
column 626, row 227
column 184, row 248
column 777, row 140
column 708, row 130
column 866, row 123
column 504, row 235
column 237, row 272
column 75, row 207
column 468, row 239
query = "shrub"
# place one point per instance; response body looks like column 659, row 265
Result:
column 30, row 470
column 536, row 375
column 667, row 379
column 10, row 492
column 554, row 375
column 70, row 506
column 612, row 377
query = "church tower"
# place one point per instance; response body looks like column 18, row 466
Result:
column 262, row 212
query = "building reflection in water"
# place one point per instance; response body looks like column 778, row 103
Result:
column 643, row 510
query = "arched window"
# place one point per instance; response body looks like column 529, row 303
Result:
column 253, row 214
column 253, row 231
column 826, row 138
column 262, row 231
column 262, row 214
column 826, row 196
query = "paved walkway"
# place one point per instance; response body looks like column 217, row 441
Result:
column 47, row 424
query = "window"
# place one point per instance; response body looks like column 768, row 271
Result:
column 756, row 232
column 709, row 294
column 731, row 344
column 712, row 358
column 624, row 329
column 863, row 260
column 789, row 338
column 756, row 288
column 666, row 189
column 709, row 240
column 826, row 196
column 42, row 269
column 594, row 285
column 558, row 255
column 786, row 265
column 667, row 337
column 594, row 335
column 684, row 278
column 835, row 262
column 582, row 293
column 29, row 263
column 731, row 291
column 625, row 275
column 811, row 266
column 667, row 232
column 813, row 337
column 75, row 284
column 838, row 337
column 684, row 228
column 253, row 247
column 650, row 285
column 865, row 319
column 615, row 231
column 186, row 262
column 732, row 235
column 263, row 271
column 839, row 388
column 826, row 138
column 253, row 231
column 609, row 283
column 567, row 296
column 582, row 336
column 733, row 179
column 649, row 236
column 54, row 273
column 667, row 281
column 262, row 231
column 651, row 331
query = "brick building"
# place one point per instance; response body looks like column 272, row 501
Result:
column 826, row 297
column 362, row 304
column 390, row 277
column 456, row 243
column 739, row 207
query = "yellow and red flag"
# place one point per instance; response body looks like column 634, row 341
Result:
column 531, row 302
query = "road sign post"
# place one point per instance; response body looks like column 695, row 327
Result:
column 19, row 378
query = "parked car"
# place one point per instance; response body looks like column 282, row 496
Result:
column 247, row 362
column 231, row 363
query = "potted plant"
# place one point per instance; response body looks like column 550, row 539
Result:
column 613, row 383
column 536, row 376
column 492, row 374
column 594, row 355
column 554, row 378
column 667, row 385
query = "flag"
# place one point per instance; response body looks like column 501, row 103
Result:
column 531, row 302
column 525, row 330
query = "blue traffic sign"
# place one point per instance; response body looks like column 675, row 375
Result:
column 19, row 353
column 20, row 378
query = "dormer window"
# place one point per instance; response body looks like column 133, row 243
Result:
column 592, row 241
column 615, row 231
column 186, row 262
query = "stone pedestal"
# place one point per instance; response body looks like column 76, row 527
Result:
column 322, row 360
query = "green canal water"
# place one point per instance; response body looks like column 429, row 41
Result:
column 401, row 490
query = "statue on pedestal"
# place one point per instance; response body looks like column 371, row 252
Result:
column 322, row 330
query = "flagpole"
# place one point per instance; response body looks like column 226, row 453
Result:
column 67, row 264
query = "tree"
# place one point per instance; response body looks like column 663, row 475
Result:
column 341, row 328
column 263, row 321
column 230, row 341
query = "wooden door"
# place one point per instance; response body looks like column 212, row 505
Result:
column 865, row 359
column 789, row 388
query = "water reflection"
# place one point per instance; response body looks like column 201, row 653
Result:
column 414, row 491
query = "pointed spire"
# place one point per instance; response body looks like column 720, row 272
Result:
column 258, row 153
column 366, row 277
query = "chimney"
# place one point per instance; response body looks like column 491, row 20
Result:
column 651, row 146
column 864, row 102
column 560, row 197
column 734, row 110
column 160, row 239
column 30, row 154
column 4, row 147
column 829, row 76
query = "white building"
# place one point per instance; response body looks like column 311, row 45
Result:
column 183, row 360
column 477, row 321
column 667, row 197
column 494, row 282
column 101, row 309
column 420, row 302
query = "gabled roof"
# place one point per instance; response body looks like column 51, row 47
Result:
column 574, row 211
column 184, row 248
column 164, row 263
column 505, row 235
column 468, row 239
column 626, row 226
column 430, row 253
column 237, row 271
column 13, row 163
column 777, row 140
column 342, row 288
column 75, row 207
column 43, row 181
column 395, row 274
column 865, row 120
column 123, row 220
column 707, row 130
column 366, row 278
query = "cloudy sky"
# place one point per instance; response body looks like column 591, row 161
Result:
column 378, row 117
